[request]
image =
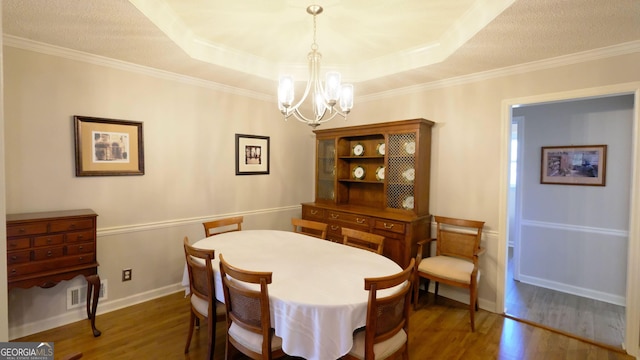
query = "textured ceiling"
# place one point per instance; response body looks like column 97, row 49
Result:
column 377, row 44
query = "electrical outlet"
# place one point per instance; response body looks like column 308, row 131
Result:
column 126, row 274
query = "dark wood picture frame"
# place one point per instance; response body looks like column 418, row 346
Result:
column 252, row 154
column 108, row 147
column 574, row 165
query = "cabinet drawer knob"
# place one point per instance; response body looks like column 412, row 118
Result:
column 14, row 257
column 335, row 216
column 13, row 271
column 314, row 212
column 22, row 230
column 49, row 240
column 335, row 227
column 388, row 226
column 49, row 253
column 79, row 237
column 360, row 221
column 80, row 247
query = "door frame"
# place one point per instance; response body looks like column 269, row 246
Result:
column 632, row 328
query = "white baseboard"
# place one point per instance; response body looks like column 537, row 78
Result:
column 81, row 313
column 574, row 290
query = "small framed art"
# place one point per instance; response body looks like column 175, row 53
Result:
column 574, row 165
column 108, row 147
column 252, row 154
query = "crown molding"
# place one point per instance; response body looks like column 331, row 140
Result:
column 571, row 59
column 43, row 48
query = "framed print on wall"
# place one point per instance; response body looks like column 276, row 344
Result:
column 574, row 165
column 252, row 154
column 108, row 147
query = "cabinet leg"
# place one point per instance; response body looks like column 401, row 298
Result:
column 93, row 291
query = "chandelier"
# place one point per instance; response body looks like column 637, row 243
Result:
column 325, row 96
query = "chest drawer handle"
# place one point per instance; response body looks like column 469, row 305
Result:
column 14, row 257
column 335, row 227
column 49, row 253
column 314, row 212
column 80, row 247
column 13, row 271
column 72, row 226
column 335, row 216
column 361, row 221
column 22, row 230
column 388, row 226
column 49, row 240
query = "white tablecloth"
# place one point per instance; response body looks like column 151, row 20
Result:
column 317, row 295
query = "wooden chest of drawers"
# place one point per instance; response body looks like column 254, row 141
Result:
column 48, row 247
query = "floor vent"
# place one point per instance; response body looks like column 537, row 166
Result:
column 77, row 295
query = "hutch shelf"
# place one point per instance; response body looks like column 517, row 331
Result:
column 375, row 178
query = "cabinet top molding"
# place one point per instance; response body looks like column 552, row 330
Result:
column 368, row 128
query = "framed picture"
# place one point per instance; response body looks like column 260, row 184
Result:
column 107, row 147
column 252, row 154
column 574, row 165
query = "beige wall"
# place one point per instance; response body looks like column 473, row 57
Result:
column 465, row 163
column 189, row 170
column 189, row 166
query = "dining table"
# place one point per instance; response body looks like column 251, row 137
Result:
column 317, row 296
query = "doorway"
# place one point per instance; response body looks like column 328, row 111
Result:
column 512, row 248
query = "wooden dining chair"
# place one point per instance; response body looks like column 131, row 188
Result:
column 220, row 226
column 204, row 305
column 386, row 333
column 249, row 328
column 456, row 259
column 363, row 240
column 309, row 227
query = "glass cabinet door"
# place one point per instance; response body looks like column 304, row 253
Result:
column 401, row 171
column 326, row 169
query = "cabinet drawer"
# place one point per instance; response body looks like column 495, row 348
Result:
column 79, row 236
column 26, row 229
column 80, row 248
column 71, row 225
column 14, row 271
column 17, row 257
column 358, row 220
column 312, row 213
column 16, row 244
column 48, row 240
column 388, row 225
column 48, row 253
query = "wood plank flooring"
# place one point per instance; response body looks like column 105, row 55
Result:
column 590, row 319
column 157, row 329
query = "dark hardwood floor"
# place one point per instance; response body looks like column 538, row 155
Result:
column 157, row 329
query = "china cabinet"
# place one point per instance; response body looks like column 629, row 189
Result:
column 375, row 178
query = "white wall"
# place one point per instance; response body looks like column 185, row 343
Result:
column 189, row 140
column 575, row 238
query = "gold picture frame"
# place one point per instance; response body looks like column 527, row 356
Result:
column 574, row 165
column 108, row 147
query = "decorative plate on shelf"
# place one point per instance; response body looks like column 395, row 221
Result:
column 380, row 173
column 358, row 172
column 410, row 147
column 358, row 150
column 407, row 203
column 380, row 149
column 409, row 174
